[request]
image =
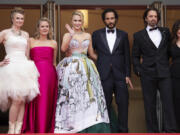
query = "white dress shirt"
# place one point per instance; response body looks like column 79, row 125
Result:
column 111, row 38
column 155, row 36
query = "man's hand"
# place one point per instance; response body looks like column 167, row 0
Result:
column 128, row 81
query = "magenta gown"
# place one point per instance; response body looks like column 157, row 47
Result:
column 39, row 114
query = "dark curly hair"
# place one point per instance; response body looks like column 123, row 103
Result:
column 147, row 11
column 107, row 11
column 175, row 29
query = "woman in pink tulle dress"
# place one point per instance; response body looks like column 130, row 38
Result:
column 18, row 75
column 40, row 113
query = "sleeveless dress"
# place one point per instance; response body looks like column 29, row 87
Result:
column 19, row 78
column 39, row 114
column 81, row 102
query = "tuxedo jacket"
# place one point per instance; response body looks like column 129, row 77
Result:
column 117, row 62
column 155, row 61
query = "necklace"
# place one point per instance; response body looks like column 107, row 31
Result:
column 17, row 33
column 78, row 33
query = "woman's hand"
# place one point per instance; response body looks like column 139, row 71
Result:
column 70, row 30
column 4, row 62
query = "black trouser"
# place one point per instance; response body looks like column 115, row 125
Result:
column 150, row 87
column 176, row 98
column 119, row 88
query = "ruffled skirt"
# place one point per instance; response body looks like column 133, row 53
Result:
column 18, row 80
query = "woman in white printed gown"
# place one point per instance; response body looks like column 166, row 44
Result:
column 81, row 105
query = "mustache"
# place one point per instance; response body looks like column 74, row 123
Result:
column 111, row 24
column 153, row 20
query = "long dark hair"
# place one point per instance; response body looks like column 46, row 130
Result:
column 175, row 29
column 146, row 14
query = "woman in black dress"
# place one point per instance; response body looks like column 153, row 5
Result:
column 175, row 69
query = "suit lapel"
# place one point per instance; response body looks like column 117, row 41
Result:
column 147, row 39
column 163, row 37
column 103, row 36
column 118, row 38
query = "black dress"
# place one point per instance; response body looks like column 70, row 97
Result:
column 175, row 73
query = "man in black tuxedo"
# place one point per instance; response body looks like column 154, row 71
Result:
column 151, row 44
column 113, row 64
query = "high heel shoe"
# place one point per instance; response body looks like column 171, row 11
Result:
column 11, row 127
column 18, row 127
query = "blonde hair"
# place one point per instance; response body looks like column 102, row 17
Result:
column 79, row 13
column 17, row 10
column 50, row 34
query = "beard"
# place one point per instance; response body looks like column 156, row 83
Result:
column 111, row 25
column 152, row 23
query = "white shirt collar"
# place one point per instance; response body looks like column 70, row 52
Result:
column 149, row 27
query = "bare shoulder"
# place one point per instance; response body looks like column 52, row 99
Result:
column 66, row 35
column 87, row 35
column 26, row 34
column 31, row 39
column 54, row 43
column 6, row 31
column 4, row 34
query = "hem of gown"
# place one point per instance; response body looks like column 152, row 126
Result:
column 97, row 128
column 82, row 127
column 26, row 97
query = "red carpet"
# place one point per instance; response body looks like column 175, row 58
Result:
column 105, row 134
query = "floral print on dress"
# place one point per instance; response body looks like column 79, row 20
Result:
column 81, row 102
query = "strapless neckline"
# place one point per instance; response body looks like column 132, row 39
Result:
column 22, row 37
column 42, row 47
column 81, row 41
column 19, row 37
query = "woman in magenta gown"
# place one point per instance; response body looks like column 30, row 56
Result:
column 40, row 113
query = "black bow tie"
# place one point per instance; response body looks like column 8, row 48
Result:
column 155, row 28
column 109, row 31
